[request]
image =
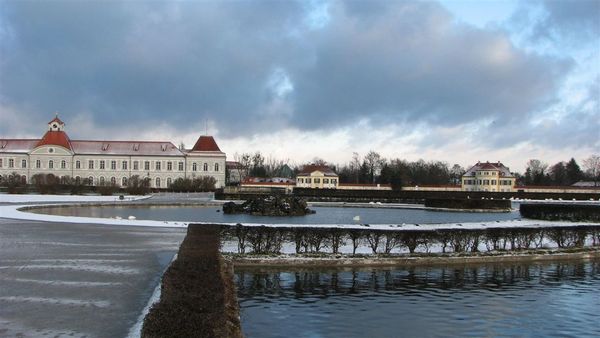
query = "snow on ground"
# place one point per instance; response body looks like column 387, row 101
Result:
column 12, row 198
column 14, row 212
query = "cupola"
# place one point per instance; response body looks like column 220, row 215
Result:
column 56, row 124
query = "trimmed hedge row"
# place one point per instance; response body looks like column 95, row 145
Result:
column 270, row 240
column 197, row 295
column 468, row 204
column 567, row 212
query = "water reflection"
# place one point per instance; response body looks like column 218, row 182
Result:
column 431, row 301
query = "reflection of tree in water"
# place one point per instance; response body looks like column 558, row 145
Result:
column 325, row 283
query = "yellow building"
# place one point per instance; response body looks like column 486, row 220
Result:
column 488, row 177
column 317, row 177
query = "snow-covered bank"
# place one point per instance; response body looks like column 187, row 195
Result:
column 10, row 198
column 20, row 212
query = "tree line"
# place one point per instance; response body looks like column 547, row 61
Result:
column 373, row 168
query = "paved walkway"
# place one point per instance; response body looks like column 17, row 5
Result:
column 78, row 280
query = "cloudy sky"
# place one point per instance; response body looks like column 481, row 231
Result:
column 458, row 81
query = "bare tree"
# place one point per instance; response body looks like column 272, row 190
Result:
column 592, row 168
column 374, row 162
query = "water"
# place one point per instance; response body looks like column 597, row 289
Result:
column 550, row 300
column 323, row 215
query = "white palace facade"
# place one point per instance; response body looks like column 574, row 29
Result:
column 109, row 162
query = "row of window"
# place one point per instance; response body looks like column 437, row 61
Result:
column 487, row 182
column 113, row 165
column 317, row 180
column 486, row 173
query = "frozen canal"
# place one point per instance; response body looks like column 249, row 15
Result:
column 78, row 280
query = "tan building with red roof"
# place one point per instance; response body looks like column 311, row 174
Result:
column 109, row 162
column 317, row 177
column 488, row 177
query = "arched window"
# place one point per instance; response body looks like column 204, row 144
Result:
column 77, row 180
column 90, row 180
column 50, row 164
column 158, row 182
column 194, row 166
column 205, row 167
column 101, row 180
column 113, row 181
column 169, row 181
column 124, row 181
column 217, row 167
column 63, row 164
column 24, row 179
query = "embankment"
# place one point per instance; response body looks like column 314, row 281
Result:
column 361, row 261
column 198, row 298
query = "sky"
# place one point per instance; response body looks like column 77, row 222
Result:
column 456, row 81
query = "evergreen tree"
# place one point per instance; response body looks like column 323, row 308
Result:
column 574, row 173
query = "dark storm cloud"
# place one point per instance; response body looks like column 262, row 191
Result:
column 409, row 62
column 181, row 62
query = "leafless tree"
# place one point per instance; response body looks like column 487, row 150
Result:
column 592, row 168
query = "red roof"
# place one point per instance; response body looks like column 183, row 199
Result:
column 55, row 138
column 206, row 143
column 307, row 169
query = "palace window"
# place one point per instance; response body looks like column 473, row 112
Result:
column 90, row 180
column 194, row 166
column 169, row 182
column 77, row 164
column 180, row 166
column 23, row 163
column 50, row 164
column 63, row 164
column 300, row 180
column 146, row 165
column 91, row 164
column 136, row 165
column 333, row 181
column 124, row 165
column 169, row 166
column 0, row 163
column 308, row 180
column 317, row 180
column 493, row 182
column 325, row 181
column 113, row 181
column 11, row 163
column 205, row 167
column 158, row 165
column 77, row 180
column 124, row 181
column 101, row 180
column 158, row 182
column 38, row 164
column 102, row 166
column 113, row 165
column 217, row 167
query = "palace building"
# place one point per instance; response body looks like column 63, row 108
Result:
column 317, row 177
column 488, row 177
column 109, row 162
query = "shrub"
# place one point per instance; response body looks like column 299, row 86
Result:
column 138, row 186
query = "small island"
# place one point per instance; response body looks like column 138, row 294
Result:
column 270, row 206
